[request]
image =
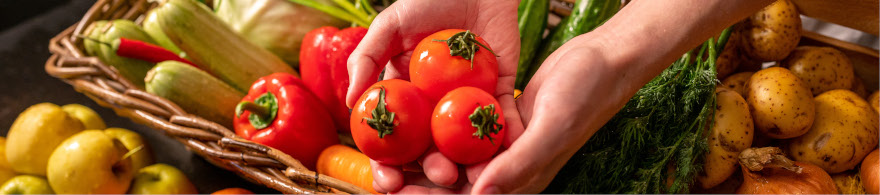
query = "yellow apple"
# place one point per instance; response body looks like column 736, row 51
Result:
column 35, row 134
column 132, row 141
column 161, row 179
column 89, row 118
column 90, row 162
column 6, row 171
column 26, row 184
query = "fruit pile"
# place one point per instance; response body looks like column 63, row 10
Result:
column 68, row 149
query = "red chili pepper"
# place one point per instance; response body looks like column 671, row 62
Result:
column 279, row 111
column 323, row 57
column 147, row 52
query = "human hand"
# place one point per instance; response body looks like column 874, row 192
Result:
column 389, row 43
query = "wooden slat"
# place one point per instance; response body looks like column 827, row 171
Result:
column 857, row 14
column 865, row 60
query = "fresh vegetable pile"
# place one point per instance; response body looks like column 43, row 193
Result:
column 68, row 149
column 666, row 140
column 698, row 126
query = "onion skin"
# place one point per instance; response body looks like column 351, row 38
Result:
column 812, row 180
column 768, row 171
column 870, row 172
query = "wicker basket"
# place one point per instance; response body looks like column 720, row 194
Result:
column 217, row 144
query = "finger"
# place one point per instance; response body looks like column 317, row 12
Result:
column 386, row 178
column 473, row 171
column 512, row 118
column 415, row 189
column 381, row 42
column 530, row 163
column 398, row 67
column 439, row 169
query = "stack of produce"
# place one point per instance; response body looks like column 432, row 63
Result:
column 682, row 131
column 69, row 150
column 810, row 103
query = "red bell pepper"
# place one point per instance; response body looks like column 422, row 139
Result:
column 279, row 111
column 323, row 57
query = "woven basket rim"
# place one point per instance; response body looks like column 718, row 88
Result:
column 214, row 142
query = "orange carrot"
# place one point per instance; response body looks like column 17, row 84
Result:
column 232, row 191
column 346, row 164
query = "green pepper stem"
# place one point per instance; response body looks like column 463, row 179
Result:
column 263, row 110
column 259, row 110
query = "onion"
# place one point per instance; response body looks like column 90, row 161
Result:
column 870, row 172
column 768, row 171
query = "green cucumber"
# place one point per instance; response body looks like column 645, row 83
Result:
column 194, row 90
column 214, row 46
column 93, row 33
column 151, row 26
column 585, row 16
column 132, row 69
column 532, row 21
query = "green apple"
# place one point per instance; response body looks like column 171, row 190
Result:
column 132, row 141
column 35, row 134
column 161, row 179
column 6, row 171
column 88, row 117
column 26, row 184
column 90, row 162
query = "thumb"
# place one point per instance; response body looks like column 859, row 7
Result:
column 533, row 159
column 366, row 61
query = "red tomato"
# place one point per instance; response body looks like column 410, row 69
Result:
column 436, row 72
column 404, row 133
column 455, row 121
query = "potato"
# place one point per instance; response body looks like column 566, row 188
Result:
column 874, row 100
column 844, row 132
column 780, row 103
column 773, row 32
column 730, row 57
column 858, row 86
column 732, row 131
column 821, row 68
column 737, row 82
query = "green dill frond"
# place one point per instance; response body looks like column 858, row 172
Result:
column 656, row 136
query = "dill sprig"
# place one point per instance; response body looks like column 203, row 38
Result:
column 657, row 136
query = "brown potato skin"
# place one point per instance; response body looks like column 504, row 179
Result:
column 773, row 32
column 821, row 68
column 732, row 131
column 874, row 100
column 737, row 82
column 844, row 132
column 781, row 104
column 858, row 86
column 730, row 58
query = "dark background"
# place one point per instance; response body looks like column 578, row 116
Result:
column 25, row 29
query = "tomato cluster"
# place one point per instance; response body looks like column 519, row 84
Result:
column 448, row 103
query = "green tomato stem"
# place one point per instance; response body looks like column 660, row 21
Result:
column 485, row 120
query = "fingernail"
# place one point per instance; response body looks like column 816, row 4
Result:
column 491, row 190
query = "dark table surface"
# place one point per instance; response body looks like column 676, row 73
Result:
column 23, row 82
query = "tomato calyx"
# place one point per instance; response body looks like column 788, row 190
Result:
column 263, row 110
column 464, row 44
column 383, row 120
column 485, row 120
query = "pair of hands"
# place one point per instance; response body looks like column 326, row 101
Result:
column 566, row 101
column 529, row 159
